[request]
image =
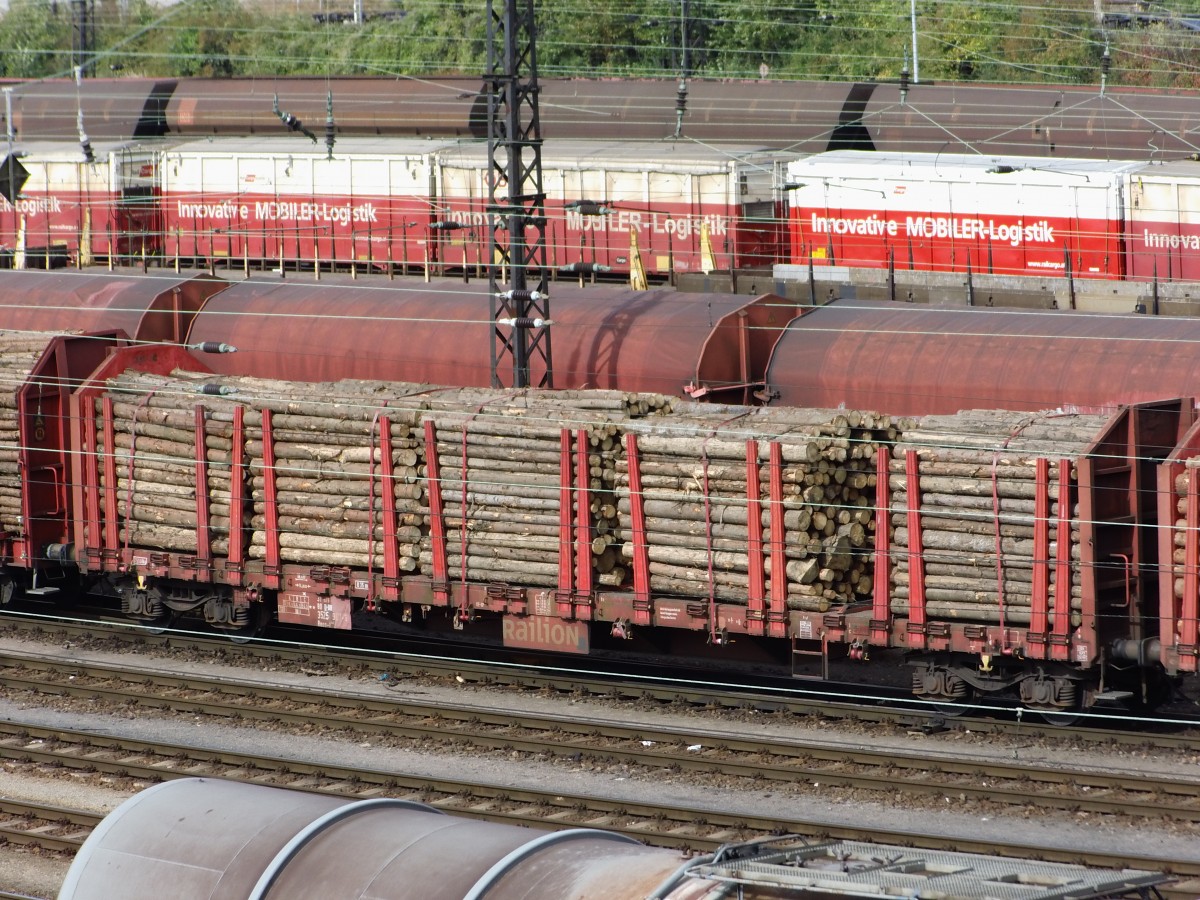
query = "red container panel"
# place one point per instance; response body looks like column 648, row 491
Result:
column 955, row 213
column 236, row 198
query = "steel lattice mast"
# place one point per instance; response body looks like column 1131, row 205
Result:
column 520, row 315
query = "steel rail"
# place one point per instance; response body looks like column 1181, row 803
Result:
column 803, row 702
column 764, row 758
column 686, row 827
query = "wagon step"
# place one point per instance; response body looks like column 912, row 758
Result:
column 1112, row 696
column 41, row 591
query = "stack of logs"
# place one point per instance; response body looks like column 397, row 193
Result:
column 694, row 482
column 978, row 484
column 500, row 470
column 19, row 353
column 499, row 456
column 154, row 455
column 1179, row 533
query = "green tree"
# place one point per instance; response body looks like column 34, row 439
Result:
column 36, row 40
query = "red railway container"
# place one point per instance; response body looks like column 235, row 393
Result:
column 75, row 209
column 290, row 201
column 681, row 206
column 955, row 213
column 1163, row 222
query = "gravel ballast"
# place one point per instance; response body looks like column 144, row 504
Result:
column 40, row 876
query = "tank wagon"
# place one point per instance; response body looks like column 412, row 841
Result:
column 917, row 360
column 257, row 841
column 996, row 215
column 1021, row 551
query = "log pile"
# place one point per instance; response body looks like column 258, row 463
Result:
column 500, row 466
column 154, row 450
column 978, row 484
column 1179, row 532
column 694, row 488
column 19, row 353
column 499, row 455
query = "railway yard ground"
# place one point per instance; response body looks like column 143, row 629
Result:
column 959, row 813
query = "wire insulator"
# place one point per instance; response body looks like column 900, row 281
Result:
column 527, row 296
column 213, row 347
column 216, row 390
column 588, row 208
column 525, row 322
column 584, row 268
column 330, row 131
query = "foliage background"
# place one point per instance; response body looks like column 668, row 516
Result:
column 806, row 39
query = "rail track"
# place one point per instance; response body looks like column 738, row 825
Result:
column 927, row 771
column 689, row 827
column 394, row 719
column 801, row 699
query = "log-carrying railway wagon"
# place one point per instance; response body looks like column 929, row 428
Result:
column 996, row 215
column 1045, row 553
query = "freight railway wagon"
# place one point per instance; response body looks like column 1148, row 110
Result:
column 74, row 209
column 1003, row 552
column 400, row 204
column 1001, row 215
column 802, row 117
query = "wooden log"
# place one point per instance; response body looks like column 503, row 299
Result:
column 801, row 451
column 950, row 523
column 454, row 515
column 955, row 595
column 545, row 544
column 163, row 537
column 976, row 544
column 970, row 487
column 495, row 566
column 1008, row 505
column 980, row 613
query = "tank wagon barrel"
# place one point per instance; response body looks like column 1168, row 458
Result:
column 916, row 360
column 805, row 117
column 652, row 341
column 261, row 842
